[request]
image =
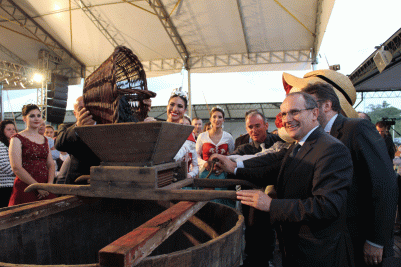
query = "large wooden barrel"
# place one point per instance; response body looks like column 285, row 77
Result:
column 71, row 230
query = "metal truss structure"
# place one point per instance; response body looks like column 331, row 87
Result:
column 112, row 35
column 233, row 112
column 69, row 65
column 171, row 30
column 187, row 61
column 379, row 94
column 368, row 68
column 317, row 32
column 13, row 71
column 244, row 59
column 13, row 56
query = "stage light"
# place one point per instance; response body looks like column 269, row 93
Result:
column 37, row 77
column 5, row 78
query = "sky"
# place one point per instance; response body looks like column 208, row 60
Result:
column 355, row 28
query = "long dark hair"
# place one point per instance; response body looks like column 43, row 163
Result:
column 3, row 137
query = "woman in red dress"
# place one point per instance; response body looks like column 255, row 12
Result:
column 30, row 159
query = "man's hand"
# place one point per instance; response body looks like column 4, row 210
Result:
column 224, row 163
column 373, row 255
column 255, row 198
column 84, row 118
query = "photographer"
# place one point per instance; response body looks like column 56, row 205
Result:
column 383, row 127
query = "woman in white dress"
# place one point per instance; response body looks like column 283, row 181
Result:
column 214, row 141
column 176, row 108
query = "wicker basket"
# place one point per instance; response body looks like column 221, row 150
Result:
column 114, row 92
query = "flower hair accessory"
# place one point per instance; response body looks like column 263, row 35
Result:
column 178, row 92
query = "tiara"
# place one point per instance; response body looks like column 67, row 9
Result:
column 178, row 92
column 218, row 107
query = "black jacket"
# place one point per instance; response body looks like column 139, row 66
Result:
column 82, row 157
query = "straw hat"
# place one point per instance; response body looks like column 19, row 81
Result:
column 342, row 85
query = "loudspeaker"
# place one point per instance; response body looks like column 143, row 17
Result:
column 382, row 58
column 57, row 96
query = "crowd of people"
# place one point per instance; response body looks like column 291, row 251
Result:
column 331, row 187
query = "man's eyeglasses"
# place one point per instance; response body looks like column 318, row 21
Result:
column 293, row 113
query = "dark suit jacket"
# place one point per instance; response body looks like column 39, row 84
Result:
column 243, row 139
column 82, row 157
column 390, row 146
column 311, row 203
column 373, row 197
column 251, row 148
column 255, row 220
column 262, row 170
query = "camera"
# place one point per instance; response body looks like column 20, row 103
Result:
column 388, row 121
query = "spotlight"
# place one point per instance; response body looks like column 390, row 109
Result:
column 37, row 77
column 5, row 78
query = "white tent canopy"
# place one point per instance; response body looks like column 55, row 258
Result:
column 167, row 35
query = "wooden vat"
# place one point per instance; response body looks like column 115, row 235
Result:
column 71, row 230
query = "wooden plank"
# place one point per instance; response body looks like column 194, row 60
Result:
column 134, row 177
column 221, row 183
column 138, row 177
column 129, row 193
column 196, row 221
column 179, row 184
column 130, row 249
column 21, row 214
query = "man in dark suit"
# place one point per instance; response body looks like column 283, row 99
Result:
column 312, row 186
column 373, row 196
column 255, row 226
column 82, row 157
column 372, row 200
column 383, row 129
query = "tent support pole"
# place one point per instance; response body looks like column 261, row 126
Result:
column 189, row 94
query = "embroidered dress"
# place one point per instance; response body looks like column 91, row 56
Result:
column 206, row 147
column 34, row 158
column 189, row 149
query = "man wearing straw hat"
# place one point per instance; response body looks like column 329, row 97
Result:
column 372, row 199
